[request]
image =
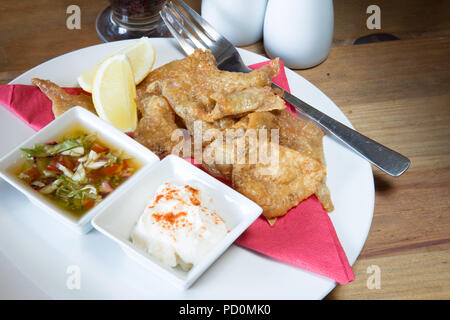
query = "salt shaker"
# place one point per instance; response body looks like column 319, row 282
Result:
column 300, row 32
column 240, row 21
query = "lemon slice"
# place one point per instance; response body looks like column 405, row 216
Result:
column 140, row 54
column 114, row 93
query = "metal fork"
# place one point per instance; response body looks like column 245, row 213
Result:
column 229, row 59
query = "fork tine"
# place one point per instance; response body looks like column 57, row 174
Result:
column 210, row 31
column 186, row 46
column 207, row 41
column 196, row 42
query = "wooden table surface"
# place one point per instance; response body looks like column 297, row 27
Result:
column 396, row 92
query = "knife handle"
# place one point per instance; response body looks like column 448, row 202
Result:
column 390, row 161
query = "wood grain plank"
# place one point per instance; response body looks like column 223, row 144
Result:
column 416, row 274
column 405, row 19
column 7, row 76
column 354, row 75
column 35, row 31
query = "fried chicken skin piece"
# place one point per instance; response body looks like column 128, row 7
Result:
column 61, row 100
column 220, row 155
column 305, row 137
column 300, row 135
column 297, row 134
column 194, row 84
column 157, row 125
column 243, row 102
column 200, row 71
column 278, row 186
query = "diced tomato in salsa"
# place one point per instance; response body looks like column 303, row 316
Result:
column 99, row 148
column 111, row 170
column 52, row 166
column 126, row 163
column 66, row 161
column 33, row 173
column 88, row 203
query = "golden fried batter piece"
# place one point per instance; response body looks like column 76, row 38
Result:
column 209, row 131
column 219, row 156
column 324, row 196
column 305, row 137
column 262, row 120
column 279, row 186
column 300, row 135
column 203, row 131
column 242, row 123
column 177, row 69
column 242, row 102
column 224, row 123
column 191, row 86
column 222, row 152
column 61, row 100
column 183, row 107
column 210, row 161
column 182, row 102
column 200, row 72
column 156, row 126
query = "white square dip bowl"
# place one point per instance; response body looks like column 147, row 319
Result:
column 118, row 222
column 76, row 116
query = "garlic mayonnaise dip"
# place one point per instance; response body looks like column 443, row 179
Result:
column 177, row 227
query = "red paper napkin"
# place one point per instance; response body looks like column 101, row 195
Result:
column 29, row 103
column 304, row 237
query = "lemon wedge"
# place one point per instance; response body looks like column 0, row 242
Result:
column 86, row 79
column 114, row 93
column 140, row 54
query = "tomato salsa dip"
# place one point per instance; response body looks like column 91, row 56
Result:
column 75, row 172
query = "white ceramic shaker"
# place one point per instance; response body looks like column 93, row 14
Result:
column 300, row 32
column 240, row 21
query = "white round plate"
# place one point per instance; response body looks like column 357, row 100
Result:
column 41, row 251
